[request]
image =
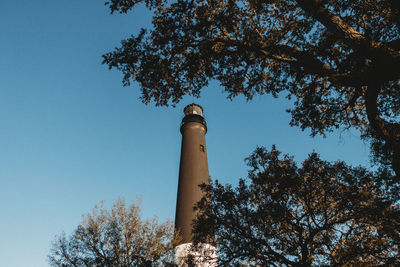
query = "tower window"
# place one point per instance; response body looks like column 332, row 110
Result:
column 202, row 148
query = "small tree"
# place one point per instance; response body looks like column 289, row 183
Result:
column 115, row 238
column 319, row 214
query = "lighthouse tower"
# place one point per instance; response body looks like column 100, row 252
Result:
column 193, row 171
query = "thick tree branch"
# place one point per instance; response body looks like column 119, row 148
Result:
column 352, row 37
column 303, row 58
column 395, row 44
column 333, row 23
column 390, row 132
column 377, row 123
column 283, row 53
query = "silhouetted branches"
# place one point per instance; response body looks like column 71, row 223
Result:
column 316, row 214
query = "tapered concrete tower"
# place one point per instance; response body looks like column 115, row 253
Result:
column 193, row 171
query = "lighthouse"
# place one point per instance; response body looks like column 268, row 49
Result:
column 193, row 171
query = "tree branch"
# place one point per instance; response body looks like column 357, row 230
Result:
column 352, row 37
column 390, row 132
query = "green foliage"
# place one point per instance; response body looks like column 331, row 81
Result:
column 117, row 237
column 339, row 60
column 316, row 214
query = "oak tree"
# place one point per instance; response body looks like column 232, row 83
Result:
column 316, row 214
column 118, row 237
column 339, row 60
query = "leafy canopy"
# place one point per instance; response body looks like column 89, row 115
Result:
column 339, row 60
column 316, row 214
column 118, row 237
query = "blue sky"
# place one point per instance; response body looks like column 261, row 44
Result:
column 72, row 136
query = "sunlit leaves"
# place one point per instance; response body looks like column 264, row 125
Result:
column 316, row 214
column 327, row 55
column 116, row 237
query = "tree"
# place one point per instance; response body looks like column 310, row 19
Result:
column 115, row 238
column 318, row 214
column 339, row 60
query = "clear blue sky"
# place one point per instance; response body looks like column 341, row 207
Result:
column 72, row 136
